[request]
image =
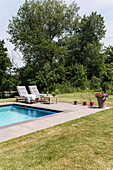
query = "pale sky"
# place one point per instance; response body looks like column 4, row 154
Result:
column 9, row 8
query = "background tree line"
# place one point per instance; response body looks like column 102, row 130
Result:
column 60, row 49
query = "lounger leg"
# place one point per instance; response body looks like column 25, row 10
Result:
column 50, row 100
column 56, row 100
column 26, row 100
column 16, row 99
column 37, row 100
column 41, row 99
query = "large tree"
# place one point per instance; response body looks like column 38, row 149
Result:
column 36, row 31
column 54, row 40
column 38, row 26
column 85, row 46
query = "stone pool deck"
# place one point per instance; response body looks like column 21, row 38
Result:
column 68, row 112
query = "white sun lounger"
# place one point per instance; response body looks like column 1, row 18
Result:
column 33, row 90
column 24, row 94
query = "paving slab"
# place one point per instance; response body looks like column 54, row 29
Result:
column 68, row 112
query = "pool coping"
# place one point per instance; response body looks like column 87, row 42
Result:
column 66, row 112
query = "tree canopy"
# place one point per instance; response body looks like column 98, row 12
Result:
column 38, row 26
column 59, row 46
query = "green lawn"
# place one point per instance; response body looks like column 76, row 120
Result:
column 85, row 143
column 7, row 100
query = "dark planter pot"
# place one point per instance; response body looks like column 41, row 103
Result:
column 75, row 102
column 101, row 102
column 91, row 104
column 84, row 103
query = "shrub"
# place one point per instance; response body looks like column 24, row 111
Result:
column 63, row 88
column 95, row 83
column 107, row 87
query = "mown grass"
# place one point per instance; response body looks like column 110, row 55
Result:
column 85, row 143
column 7, row 100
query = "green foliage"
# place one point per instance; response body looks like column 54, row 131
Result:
column 36, row 31
column 78, row 75
column 37, row 25
column 95, row 83
column 5, row 65
column 60, row 49
column 92, row 28
column 107, row 87
column 108, row 54
column 4, row 60
column 107, row 72
column 107, row 77
column 63, row 88
column 85, row 47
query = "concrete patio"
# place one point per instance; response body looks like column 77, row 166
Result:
column 68, row 112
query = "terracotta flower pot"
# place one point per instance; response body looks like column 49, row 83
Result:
column 84, row 103
column 91, row 104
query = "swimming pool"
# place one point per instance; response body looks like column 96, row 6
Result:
column 13, row 114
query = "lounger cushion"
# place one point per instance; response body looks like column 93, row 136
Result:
column 33, row 89
column 23, row 93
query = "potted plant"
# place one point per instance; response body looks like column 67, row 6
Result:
column 84, row 102
column 91, row 103
column 101, row 97
column 75, row 101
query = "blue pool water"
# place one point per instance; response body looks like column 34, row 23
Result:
column 14, row 114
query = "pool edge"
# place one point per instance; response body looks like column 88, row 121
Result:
column 27, row 121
